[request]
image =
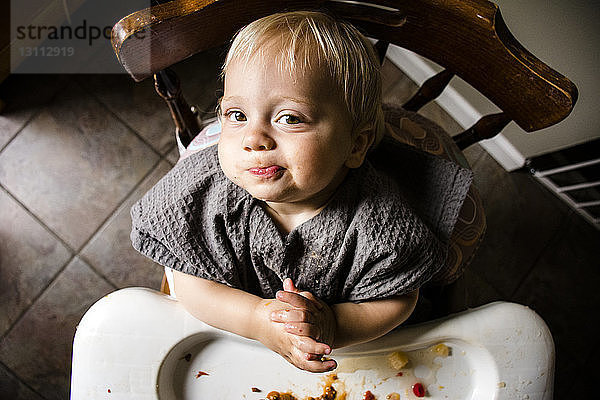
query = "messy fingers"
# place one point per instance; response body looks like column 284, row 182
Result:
column 303, row 329
column 312, row 299
column 320, row 365
column 294, row 299
column 313, row 357
column 308, row 345
column 288, row 286
column 313, row 362
column 292, row 315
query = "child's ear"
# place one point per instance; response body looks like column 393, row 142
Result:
column 362, row 142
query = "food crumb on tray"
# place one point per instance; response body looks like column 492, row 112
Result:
column 201, row 373
column 403, row 370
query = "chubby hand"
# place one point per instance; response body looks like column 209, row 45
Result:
column 302, row 351
column 306, row 316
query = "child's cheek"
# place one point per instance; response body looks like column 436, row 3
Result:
column 226, row 162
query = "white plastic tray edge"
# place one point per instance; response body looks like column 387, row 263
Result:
column 123, row 339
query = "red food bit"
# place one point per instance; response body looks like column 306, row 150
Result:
column 399, row 374
column 200, row 373
column 368, row 395
column 418, row 390
column 256, row 390
column 109, row 391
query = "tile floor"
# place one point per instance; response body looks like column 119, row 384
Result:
column 77, row 151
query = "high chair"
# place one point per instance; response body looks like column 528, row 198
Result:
column 139, row 344
column 467, row 37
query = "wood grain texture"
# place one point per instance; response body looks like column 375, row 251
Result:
column 468, row 37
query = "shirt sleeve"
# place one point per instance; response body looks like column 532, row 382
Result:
column 395, row 251
column 178, row 225
column 401, row 270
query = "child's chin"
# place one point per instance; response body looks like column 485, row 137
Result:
column 266, row 196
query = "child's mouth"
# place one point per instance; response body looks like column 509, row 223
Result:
column 266, row 172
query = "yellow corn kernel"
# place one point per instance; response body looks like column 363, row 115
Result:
column 398, row 359
column 440, row 350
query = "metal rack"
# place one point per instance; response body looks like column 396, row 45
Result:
column 574, row 176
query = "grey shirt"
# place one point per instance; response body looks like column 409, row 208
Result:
column 367, row 243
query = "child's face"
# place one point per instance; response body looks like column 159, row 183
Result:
column 285, row 138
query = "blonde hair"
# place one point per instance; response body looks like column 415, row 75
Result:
column 306, row 39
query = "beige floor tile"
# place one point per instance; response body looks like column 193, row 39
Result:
column 23, row 96
column 479, row 291
column 578, row 385
column 30, row 257
column 73, row 164
column 11, row 388
column 38, row 349
column 521, row 218
column 136, row 104
column 110, row 250
column 563, row 289
column 173, row 155
column 142, row 109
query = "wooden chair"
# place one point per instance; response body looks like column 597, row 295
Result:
column 467, row 37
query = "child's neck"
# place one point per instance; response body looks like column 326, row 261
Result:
column 288, row 216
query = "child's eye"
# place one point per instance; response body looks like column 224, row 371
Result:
column 289, row 119
column 235, row 116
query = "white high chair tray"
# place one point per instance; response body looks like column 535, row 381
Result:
column 140, row 344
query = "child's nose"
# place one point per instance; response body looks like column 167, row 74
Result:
column 258, row 140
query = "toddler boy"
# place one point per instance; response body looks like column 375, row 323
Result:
column 284, row 232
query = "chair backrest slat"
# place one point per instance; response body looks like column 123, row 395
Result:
column 487, row 127
column 168, row 86
column 430, row 90
column 470, row 38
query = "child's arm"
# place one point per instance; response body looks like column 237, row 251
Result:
column 349, row 323
column 248, row 315
column 361, row 322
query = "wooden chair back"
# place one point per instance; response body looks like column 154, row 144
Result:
column 467, row 37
